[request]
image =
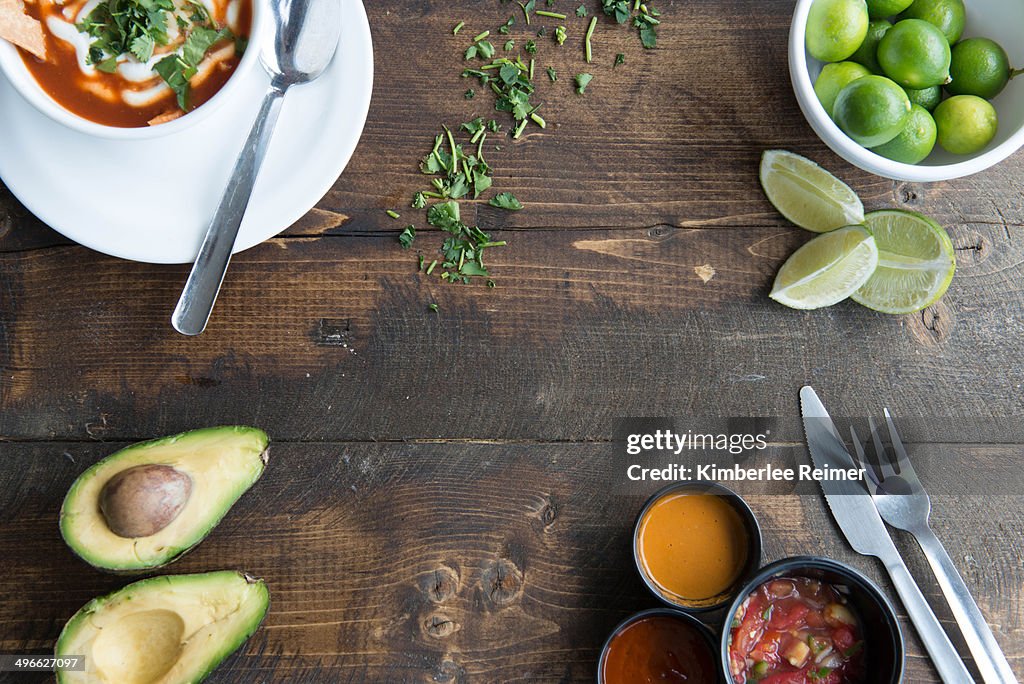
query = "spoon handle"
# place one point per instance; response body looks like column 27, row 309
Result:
column 200, row 292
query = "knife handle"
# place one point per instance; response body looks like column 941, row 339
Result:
column 988, row 656
column 945, row 658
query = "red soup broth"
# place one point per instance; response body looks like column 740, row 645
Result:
column 112, row 99
column 796, row 630
column 658, row 649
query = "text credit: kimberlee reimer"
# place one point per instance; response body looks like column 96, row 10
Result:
column 726, row 450
column 667, row 441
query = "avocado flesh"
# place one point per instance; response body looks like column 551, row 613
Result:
column 223, row 463
column 163, row 630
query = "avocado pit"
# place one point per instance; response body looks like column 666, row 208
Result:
column 141, row 501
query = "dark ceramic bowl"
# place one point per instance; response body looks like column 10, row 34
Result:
column 753, row 545
column 884, row 638
column 709, row 637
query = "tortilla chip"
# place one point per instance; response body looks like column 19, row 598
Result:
column 165, row 117
column 19, row 28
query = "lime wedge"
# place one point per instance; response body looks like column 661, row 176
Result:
column 826, row 270
column 915, row 262
column 807, row 194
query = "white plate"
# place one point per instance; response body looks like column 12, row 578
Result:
column 151, row 200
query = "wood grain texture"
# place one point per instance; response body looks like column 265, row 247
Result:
column 447, row 562
column 651, row 174
column 490, row 549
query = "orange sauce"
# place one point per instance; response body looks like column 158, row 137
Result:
column 692, row 547
column 63, row 80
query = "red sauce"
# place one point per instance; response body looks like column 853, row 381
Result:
column 658, row 649
column 63, row 80
column 796, row 630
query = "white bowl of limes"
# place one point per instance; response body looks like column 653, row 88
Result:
column 981, row 131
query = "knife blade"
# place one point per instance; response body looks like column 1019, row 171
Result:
column 855, row 513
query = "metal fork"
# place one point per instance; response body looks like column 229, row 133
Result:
column 902, row 502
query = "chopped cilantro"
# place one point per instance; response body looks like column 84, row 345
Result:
column 407, row 235
column 582, row 81
column 506, row 200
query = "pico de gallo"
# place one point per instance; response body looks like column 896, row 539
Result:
column 796, row 630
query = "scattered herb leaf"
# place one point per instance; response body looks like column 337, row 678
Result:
column 406, row 237
column 506, row 200
column 582, row 81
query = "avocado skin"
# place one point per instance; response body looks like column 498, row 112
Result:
column 256, row 442
column 80, row 620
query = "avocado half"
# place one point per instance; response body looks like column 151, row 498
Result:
column 219, row 464
column 173, row 629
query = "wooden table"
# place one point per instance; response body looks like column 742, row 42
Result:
column 437, row 505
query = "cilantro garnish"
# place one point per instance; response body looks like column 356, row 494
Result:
column 645, row 18
column 463, row 250
column 177, row 69
column 506, row 200
column 137, row 27
column 407, row 235
column 582, row 81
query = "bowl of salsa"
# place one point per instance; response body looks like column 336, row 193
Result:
column 808, row 620
column 129, row 69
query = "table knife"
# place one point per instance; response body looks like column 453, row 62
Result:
column 855, row 513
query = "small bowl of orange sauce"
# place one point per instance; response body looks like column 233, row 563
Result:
column 695, row 544
column 659, row 645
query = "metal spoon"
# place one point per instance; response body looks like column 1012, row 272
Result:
column 306, row 34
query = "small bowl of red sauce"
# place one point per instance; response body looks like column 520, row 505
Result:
column 811, row 620
column 660, row 645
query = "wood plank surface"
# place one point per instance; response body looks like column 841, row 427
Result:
column 449, row 562
column 438, row 504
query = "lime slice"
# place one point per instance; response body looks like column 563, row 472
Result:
column 915, row 263
column 826, row 270
column 807, row 194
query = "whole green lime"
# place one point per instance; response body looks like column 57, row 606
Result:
column 867, row 53
column 880, row 9
column 965, row 123
column 979, row 66
column 915, row 54
column 929, row 98
column 836, row 28
column 871, row 110
column 833, row 78
column 949, row 16
column 915, row 141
